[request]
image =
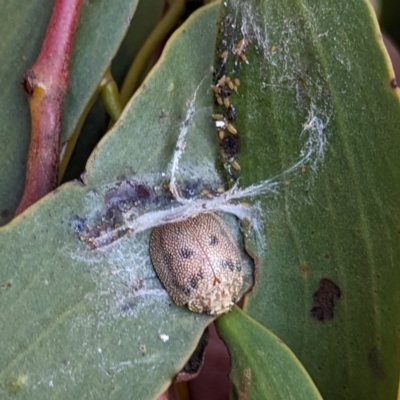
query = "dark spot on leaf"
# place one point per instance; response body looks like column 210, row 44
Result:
column 5, row 213
column 230, row 145
column 327, row 255
column 186, row 253
column 112, row 218
column 324, row 300
column 190, row 188
column 393, row 83
column 127, row 194
column 78, row 224
column 128, row 306
column 162, row 115
column 7, row 285
column 214, row 240
column 143, row 193
column 375, row 363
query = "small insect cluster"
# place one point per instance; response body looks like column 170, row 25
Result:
column 224, row 87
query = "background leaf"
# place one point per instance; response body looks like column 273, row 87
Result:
column 78, row 322
column 100, row 31
column 318, row 114
column 390, row 10
column 263, row 367
column 145, row 18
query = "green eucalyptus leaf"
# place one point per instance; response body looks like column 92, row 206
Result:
column 317, row 115
column 263, row 367
column 80, row 320
column 101, row 28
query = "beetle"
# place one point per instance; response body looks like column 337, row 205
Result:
column 198, row 262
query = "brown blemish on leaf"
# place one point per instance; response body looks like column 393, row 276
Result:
column 128, row 194
column 324, row 300
column 243, row 392
column 393, row 83
column 303, row 268
column 16, row 384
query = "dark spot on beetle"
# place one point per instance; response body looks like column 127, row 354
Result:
column 393, row 83
column 213, row 240
column 324, row 300
column 194, row 281
column 169, row 261
column 231, row 265
column 187, row 290
column 230, row 145
column 186, row 253
column 375, row 363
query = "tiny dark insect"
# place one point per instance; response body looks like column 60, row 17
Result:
column 198, row 262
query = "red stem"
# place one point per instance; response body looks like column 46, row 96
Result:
column 46, row 84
